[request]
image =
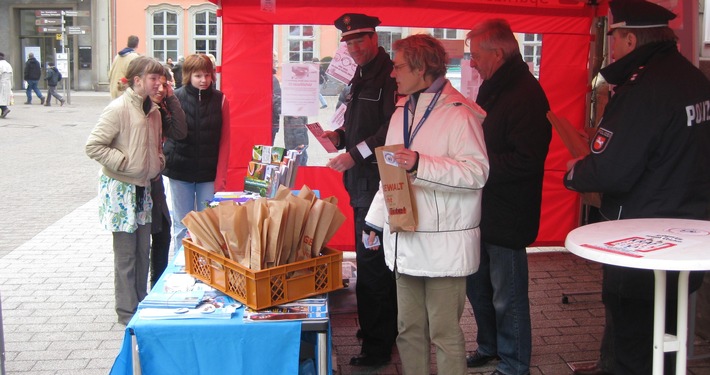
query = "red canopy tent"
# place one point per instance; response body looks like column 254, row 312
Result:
column 247, row 53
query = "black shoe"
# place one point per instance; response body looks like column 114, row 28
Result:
column 477, row 360
column 30, row 103
column 41, row 101
column 364, row 360
column 4, row 113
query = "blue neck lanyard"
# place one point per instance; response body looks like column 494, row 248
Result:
column 409, row 136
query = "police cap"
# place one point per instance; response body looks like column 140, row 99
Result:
column 638, row 14
column 353, row 24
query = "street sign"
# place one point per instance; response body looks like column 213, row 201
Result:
column 77, row 13
column 48, row 13
column 48, row 21
column 77, row 30
column 49, row 29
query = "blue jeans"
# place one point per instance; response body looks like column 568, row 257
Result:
column 186, row 197
column 32, row 86
column 498, row 293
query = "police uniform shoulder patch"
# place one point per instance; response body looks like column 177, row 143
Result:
column 601, row 140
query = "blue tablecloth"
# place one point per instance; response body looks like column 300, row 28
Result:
column 208, row 346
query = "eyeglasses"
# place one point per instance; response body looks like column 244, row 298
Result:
column 399, row 67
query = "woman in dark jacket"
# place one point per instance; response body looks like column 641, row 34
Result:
column 197, row 165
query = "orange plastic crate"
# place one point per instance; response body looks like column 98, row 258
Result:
column 269, row 287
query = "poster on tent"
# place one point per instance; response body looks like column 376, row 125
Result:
column 342, row 67
column 299, row 90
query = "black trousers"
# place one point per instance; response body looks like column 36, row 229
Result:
column 632, row 334
column 376, row 293
column 159, row 250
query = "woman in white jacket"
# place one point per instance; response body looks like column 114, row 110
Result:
column 127, row 143
column 445, row 155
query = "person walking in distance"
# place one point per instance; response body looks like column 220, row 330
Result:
column 5, row 86
column 370, row 105
column 53, row 77
column 517, row 135
column 119, row 65
column 33, row 72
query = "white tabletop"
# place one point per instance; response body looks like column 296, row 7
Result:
column 654, row 244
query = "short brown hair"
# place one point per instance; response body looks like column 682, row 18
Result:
column 196, row 63
column 423, row 51
column 142, row 65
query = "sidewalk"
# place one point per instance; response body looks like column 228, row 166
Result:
column 56, row 265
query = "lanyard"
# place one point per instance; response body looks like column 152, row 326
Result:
column 409, row 136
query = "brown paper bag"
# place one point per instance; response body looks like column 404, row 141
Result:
column 258, row 214
column 397, row 192
column 274, row 239
column 234, row 226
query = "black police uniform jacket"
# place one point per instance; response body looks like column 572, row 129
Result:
column 650, row 156
column 370, row 105
column 517, row 135
column 194, row 159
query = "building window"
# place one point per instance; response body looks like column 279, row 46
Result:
column 385, row 38
column 205, row 32
column 301, row 43
column 532, row 52
column 164, row 32
column 445, row 33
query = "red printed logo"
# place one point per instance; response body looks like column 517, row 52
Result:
column 601, row 140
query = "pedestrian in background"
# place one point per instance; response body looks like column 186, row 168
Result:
column 5, row 86
column 119, row 65
column 32, row 74
column 127, row 143
column 177, row 72
column 517, row 136
column 445, row 156
column 174, row 127
column 197, row 165
column 53, row 77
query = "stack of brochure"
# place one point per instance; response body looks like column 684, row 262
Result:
column 206, row 311
column 184, row 299
column 314, row 308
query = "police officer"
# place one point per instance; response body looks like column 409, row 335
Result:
column 370, row 105
column 650, row 157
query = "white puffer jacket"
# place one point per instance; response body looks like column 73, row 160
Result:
column 452, row 170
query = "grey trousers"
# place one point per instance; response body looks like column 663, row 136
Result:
column 131, row 259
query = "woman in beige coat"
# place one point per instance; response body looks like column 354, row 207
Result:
column 127, row 143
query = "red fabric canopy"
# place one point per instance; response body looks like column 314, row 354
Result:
column 247, row 54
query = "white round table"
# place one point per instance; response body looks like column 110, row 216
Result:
column 655, row 244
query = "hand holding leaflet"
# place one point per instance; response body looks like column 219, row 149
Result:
column 318, row 132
